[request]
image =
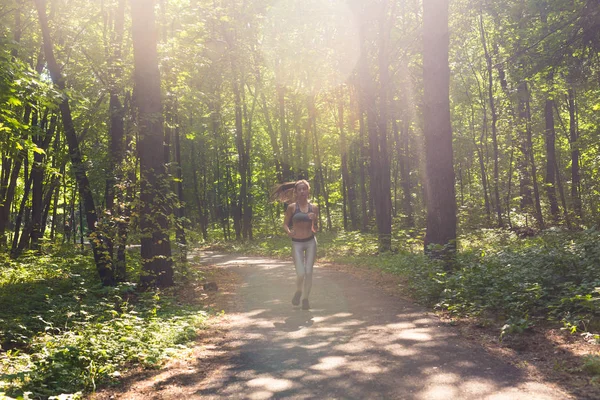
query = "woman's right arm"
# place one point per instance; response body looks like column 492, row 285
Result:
column 289, row 212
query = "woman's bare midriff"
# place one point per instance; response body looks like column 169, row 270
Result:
column 302, row 230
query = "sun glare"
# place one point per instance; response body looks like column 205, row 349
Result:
column 312, row 45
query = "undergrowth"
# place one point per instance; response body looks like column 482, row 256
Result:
column 62, row 333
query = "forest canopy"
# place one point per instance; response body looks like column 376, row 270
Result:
column 255, row 93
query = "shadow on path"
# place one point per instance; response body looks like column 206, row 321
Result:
column 355, row 343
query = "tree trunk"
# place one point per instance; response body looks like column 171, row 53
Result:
column 525, row 184
column 551, row 172
column 103, row 263
column 38, row 169
column 551, row 154
column 180, row 229
column 403, row 146
column 362, row 158
column 550, row 133
column 441, row 201
column 116, row 135
column 200, row 203
column 247, row 204
column 9, row 195
column 16, row 248
column 319, row 165
column 373, row 147
column 157, row 263
column 536, row 191
column 509, row 185
column 239, row 142
column 6, row 191
column 349, row 194
column 405, row 170
column 7, row 164
column 573, row 141
column 563, row 198
column 488, row 59
column 481, row 151
column 50, row 193
column 270, row 129
column 286, row 171
column 54, row 225
column 364, row 103
column 383, row 199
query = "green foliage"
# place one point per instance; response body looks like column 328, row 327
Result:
column 63, row 332
column 553, row 276
column 515, row 325
column 591, row 365
column 19, row 86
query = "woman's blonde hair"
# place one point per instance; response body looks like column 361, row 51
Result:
column 286, row 192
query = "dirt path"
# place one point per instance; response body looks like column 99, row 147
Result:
column 357, row 342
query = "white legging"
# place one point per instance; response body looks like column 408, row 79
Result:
column 304, row 254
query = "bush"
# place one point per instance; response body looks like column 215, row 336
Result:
column 64, row 333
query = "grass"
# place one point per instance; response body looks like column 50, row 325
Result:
column 62, row 333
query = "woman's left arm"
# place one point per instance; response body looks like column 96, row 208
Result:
column 315, row 221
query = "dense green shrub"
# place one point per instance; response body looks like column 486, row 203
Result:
column 62, row 332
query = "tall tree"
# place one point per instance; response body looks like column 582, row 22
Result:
column 103, row 262
column 441, row 201
column 575, row 154
column 382, row 181
column 113, row 49
column 490, row 91
column 155, row 188
column 348, row 186
column 550, row 133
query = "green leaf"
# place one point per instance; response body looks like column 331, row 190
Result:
column 13, row 101
column 38, row 150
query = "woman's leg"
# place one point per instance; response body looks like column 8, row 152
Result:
column 298, row 256
column 311, row 254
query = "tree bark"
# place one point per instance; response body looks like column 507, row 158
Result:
column 270, row 129
column 349, row 193
column 536, row 191
column 383, row 199
column 525, row 184
column 550, row 133
column 15, row 251
column 286, row 171
column 364, row 102
column 441, row 201
column 490, row 87
column 573, row 139
column 7, row 185
column 200, row 200
column 116, row 139
column 551, row 155
column 403, row 145
column 312, row 119
column 38, row 170
column 242, row 161
column 157, row 263
column 247, row 210
column 180, row 229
